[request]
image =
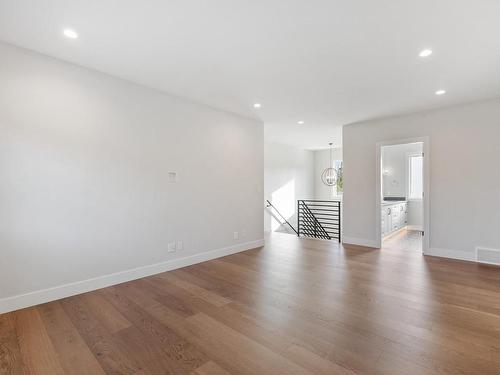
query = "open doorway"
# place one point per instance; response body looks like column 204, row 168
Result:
column 401, row 195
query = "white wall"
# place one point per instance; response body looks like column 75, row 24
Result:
column 288, row 176
column 464, row 175
column 321, row 162
column 415, row 215
column 84, row 159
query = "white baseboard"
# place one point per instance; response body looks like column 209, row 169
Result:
column 452, row 254
column 67, row 290
column 414, row 227
column 359, row 242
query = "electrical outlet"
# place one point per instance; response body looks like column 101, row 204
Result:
column 236, row 235
column 180, row 245
column 171, row 247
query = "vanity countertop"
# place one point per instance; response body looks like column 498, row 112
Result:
column 389, row 203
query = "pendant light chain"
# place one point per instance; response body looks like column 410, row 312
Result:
column 330, row 174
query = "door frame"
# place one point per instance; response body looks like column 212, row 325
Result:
column 426, row 181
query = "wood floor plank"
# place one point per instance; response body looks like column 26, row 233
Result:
column 113, row 356
column 194, row 289
column 318, row 365
column 148, row 354
column 176, row 347
column 239, row 346
column 210, row 368
column 38, row 353
column 111, row 318
column 10, row 355
column 74, row 354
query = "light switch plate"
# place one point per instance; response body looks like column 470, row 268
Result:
column 236, row 235
column 171, row 247
column 173, row 177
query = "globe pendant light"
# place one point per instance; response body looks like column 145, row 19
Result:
column 330, row 174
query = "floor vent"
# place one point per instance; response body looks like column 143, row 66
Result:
column 488, row 256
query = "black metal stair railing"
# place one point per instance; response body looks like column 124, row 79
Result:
column 285, row 221
column 319, row 219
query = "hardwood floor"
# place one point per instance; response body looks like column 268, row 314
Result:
column 404, row 241
column 292, row 307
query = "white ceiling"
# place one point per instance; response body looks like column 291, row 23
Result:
column 327, row 62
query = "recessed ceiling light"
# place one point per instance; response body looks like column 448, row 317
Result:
column 69, row 33
column 425, row 53
column 300, row 122
column 257, row 105
column 440, row 92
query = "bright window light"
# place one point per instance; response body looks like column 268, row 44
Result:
column 69, row 33
column 416, row 183
column 425, row 53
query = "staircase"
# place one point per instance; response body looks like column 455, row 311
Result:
column 283, row 221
